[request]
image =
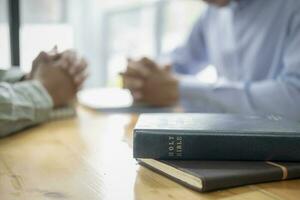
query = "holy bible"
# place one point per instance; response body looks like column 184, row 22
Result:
column 186, row 136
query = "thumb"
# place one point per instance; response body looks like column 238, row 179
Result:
column 129, row 59
column 43, row 56
column 55, row 49
column 53, row 53
column 168, row 68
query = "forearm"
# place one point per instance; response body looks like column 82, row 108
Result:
column 21, row 105
column 266, row 97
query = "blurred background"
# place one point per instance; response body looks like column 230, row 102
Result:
column 106, row 32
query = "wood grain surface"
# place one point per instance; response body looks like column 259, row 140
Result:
column 89, row 157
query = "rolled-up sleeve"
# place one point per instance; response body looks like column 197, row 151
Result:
column 23, row 104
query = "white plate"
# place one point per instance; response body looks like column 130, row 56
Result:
column 105, row 98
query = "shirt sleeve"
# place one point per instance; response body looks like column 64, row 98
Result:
column 280, row 96
column 23, row 104
column 11, row 76
column 192, row 56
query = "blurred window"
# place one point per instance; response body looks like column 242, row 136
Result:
column 131, row 34
column 107, row 32
column 149, row 29
column 4, row 36
column 180, row 17
column 43, row 25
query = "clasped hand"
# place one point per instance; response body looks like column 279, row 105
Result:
column 150, row 83
column 61, row 74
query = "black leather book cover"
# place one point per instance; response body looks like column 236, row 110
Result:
column 205, row 176
column 216, row 137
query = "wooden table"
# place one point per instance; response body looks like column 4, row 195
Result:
column 90, row 157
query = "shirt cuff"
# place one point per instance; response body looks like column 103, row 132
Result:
column 194, row 96
column 40, row 98
column 13, row 75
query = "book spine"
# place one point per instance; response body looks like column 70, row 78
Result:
column 159, row 146
column 191, row 146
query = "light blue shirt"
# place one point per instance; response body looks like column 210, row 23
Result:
column 255, row 47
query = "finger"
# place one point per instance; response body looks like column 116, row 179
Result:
column 137, row 95
column 54, row 50
column 53, row 53
column 138, row 68
column 168, row 68
column 42, row 56
column 133, row 72
column 80, row 79
column 149, row 63
column 78, row 68
column 129, row 59
column 128, row 74
column 132, row 83
column 71, row 56
column 61, row 63
column 54, row 56
column 80, row 83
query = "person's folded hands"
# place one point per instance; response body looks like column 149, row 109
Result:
column 151, row 83
column 134, row 77
column 62, row 74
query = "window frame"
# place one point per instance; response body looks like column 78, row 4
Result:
column 14, row 31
